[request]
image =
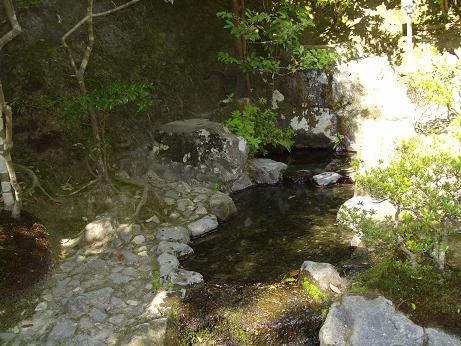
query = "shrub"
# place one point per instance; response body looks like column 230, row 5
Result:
column 259, row 127
column 424, row 186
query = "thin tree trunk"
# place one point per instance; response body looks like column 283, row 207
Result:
column 97, row 131
column 7, row 173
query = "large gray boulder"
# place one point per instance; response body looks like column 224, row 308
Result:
column 437, row 337
column 359, row 321
column 200, row 149
column 267, row 171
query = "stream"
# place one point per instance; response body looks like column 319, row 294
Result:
column 248, row 264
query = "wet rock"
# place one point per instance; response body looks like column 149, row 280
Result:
column 100, row 231
column 222, row 206
column 243, row 182
column 177, row 249
column 267, row 171
column 204, row 225
column 359, row 321
column 326, row 178
column 302, row 176
column 173, row 233
column 324, row 274
column 185, row 277
column 63, row 330
column 437, row 337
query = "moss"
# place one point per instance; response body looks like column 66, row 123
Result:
column 313, row 291
column 429, row 297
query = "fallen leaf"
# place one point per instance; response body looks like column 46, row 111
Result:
column 335, row 289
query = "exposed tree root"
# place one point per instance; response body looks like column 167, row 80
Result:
column 35, row 182
column 143, row 201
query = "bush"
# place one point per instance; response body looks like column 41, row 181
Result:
column 260, row 127
column 424, row 186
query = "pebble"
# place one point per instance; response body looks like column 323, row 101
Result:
column 139, row 239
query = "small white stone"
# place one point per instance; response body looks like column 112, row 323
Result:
column 41, row 306
column 132, row 302
column 139, row 239
column 148, row 287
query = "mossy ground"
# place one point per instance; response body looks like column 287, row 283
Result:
column 259, row 314
column 428, row 297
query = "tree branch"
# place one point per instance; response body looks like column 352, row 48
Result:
column 16, row 28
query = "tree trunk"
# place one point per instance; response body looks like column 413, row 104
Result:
column 103, row 174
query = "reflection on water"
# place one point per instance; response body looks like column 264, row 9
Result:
column 276, row 229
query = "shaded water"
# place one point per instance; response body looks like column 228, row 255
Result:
column 246, row 299
column 275, row 230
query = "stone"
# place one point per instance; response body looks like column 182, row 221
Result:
column 118, row 278
column 267, row 171
column 116, row 319
column 100, row 231
column 146, row 334
column 359, row 321
column 97, row 315
column 437, row 337
column 128, row 231
column 177, row 249
column 222, row 205
column 208, row 150
column 381, row 209
column 184, row 204
column 241, row 183
column 376, row 111
column 63, row 330
column 85, row 323
column 173, row 233
column 132, row 302
column 326, row 178
column 76, row 306
column 324, row 274
column 167, row 263
column 139, row 239
column 203, row 226
column 184, row 277
column 129, row 257
column 302, row 176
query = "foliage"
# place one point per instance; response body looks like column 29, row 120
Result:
column 426, row 295
column 110, row 97
column 313, row 290
column 439, row 82
column 338, row 141
column 273, row 39
column 259, row 127
column 424, row 186
column 105, row 100
column 26, row 4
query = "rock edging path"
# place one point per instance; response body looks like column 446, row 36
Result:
column 104, row 292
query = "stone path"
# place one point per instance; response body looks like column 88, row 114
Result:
column 104, row 292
